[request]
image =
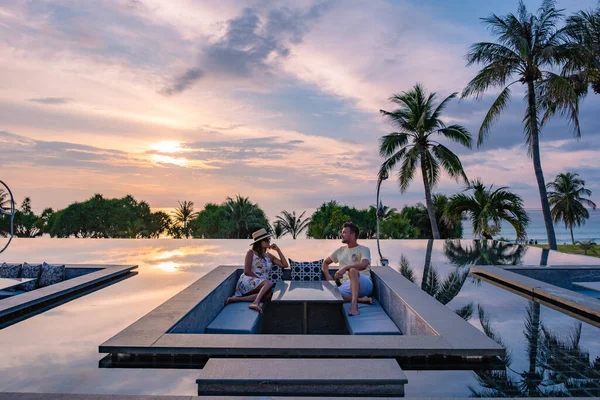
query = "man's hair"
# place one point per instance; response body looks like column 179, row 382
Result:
column 353, row 228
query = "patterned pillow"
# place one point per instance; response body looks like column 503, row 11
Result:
column 30, row 271
column 10, row 270
column 276, row 274
column 306, row 270
column 51, row 274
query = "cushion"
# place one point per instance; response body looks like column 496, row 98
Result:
column 306, row 270
column 30, row 271
column 372, row 320
column 51, row 274
column 10, row 270
column 276, row 273
column 235, row 318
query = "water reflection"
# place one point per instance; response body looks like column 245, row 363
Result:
column 558, row 365
column 483, row 252
column 442, row 290
column 66, row 360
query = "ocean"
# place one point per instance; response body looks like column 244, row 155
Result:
column 537, row 230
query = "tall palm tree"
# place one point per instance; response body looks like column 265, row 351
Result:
column 583, row 29
column 487, row 208
column 525, row 44
column 417, row 119
column 184, row 214
column 292, row 224
column 567, row 201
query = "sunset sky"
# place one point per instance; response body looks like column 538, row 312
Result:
column 278, row 101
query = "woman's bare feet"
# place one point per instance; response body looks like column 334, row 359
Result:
column 230, row 300
column 365, row 300
column 353, row 309
column 255, row 307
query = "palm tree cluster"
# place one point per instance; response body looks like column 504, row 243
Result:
column 553, row 64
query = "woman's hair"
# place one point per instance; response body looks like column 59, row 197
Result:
column 258, row 249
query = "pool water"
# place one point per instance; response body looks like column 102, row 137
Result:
column 549, row 353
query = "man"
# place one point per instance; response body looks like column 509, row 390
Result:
column 354, row 273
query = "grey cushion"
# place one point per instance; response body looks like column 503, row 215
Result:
column 30, row 271
column 372, row 320
column 306, row 270
column 235, row 318
column 51, row 274
column 10, row 270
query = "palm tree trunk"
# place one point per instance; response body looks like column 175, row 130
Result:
column 572, row 238
column 434, row 228
column 537, row 166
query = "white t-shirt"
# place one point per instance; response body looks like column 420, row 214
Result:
column 348, row 256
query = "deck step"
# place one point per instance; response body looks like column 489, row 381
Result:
column 301, row 377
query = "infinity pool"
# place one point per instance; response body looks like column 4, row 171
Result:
column 57, row 351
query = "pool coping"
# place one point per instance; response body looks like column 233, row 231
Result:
column 540, row 289
column 22, row 302
column 453, row 336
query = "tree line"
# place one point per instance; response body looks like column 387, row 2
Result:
column 485, row 208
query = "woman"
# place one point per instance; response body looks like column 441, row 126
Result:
column 254, row 284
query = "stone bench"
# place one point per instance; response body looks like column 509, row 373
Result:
column 372, row 320
column 235, row 318
column 301, row 377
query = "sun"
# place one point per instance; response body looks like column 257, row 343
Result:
column 167, row 146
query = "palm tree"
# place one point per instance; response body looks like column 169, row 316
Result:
column 487, row 208
column 526, row 43
column 583, row 29
column 566, row 199
column 587, row 246
column 278, row 230
column 292, row 224
column 418, row 122
column 243, row 214
column 184, row 214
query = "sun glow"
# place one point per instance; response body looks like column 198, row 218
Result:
column 168, row 146
column 169, row 160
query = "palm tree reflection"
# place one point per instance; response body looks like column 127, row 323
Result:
column 483, row 252
column 443, row 291
column 558, row 366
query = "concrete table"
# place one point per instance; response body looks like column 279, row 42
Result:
column 306, row 292
column 6, row 283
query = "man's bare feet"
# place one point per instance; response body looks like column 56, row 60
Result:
column 255, row 307
column 353, row 309
column 365, row 300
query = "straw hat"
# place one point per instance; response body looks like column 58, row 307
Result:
column 260, row 235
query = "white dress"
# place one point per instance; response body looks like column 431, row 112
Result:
column 261, row 268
